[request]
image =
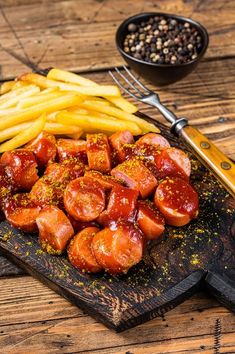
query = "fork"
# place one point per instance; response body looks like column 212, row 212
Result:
column 210, row 156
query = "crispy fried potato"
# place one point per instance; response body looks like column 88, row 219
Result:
column 31, row 101
column 48, row 90
column 35, row 111
column 52, row 128
column 66, row 76
column 71, row 78
column 13, row 131
column 82, row 111
column 62, row 129
column 13, row 97
column 70, row 104
column 98, row 90
column 6, row 87
column 7, row 111
column 88, row 122
column 123, row 104
column 116, row 112
column 25, row 136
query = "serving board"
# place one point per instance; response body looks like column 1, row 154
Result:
column 202, row 252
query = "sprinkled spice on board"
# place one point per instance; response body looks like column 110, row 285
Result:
column 6, row 236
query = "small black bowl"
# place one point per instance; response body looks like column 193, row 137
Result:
column 160, row 74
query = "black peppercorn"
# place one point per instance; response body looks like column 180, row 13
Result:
column 163, row 40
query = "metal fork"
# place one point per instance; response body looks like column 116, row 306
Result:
column 214, row 159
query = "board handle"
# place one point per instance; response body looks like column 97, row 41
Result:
column 210, row 156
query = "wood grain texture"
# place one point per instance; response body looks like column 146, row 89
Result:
column 48, row 323
column 33, row 32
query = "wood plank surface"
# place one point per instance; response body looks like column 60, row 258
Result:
column 47, row 323
column 33, row 32
column 33, row 319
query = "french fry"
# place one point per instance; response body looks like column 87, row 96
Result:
column 123, row 104
column 97, row 90
column 25, row 136
column 98, row 100
column 13, row 97
column 52, row 128
column 6, row 87
column 85, row 112
column 71, row 78
column 31, row 101
column 35, row 111
column 9, row 133
column 116, row 112
column 51, row 117
column 19, row 84
column 88, row 122
column 48, row 90
column 66, row 76
column 7, row 111
column 62, row 129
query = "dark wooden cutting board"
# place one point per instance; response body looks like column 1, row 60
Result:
column 202, row 252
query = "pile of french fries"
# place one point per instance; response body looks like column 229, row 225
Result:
column 63, row 103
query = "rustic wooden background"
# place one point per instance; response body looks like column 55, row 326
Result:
column 79, row 35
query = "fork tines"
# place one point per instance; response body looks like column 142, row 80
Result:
column 135, row 88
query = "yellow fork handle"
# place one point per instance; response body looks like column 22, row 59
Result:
column 210, row 156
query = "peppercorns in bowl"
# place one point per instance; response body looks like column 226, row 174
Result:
column 162, row 48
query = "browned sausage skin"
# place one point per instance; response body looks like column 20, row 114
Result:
column 44, row 148
column 150, row 220
column 99, row 153
column 177, row 200
column 136, row 176
column 121, row 206
column 84, row 199
column 55, row 229
column 71, row 148
column 118, row 247
column 21, row 212
column 80, row 253
column 118, row 140
column 21, row 167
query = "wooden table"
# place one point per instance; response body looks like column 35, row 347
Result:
column 79, row 35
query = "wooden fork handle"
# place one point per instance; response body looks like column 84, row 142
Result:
column 222, row 168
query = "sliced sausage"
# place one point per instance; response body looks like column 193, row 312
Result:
column 44, row 148
column 80, row 253
column 80, row 225
column 121, row 205
column 6, row 186
column 64, row 172
column 21, row 212
column 150, row 221
column 107, row 182
column 84, row 199
column 46, row 193
column 136, row 176
column 21, row 167
column 71, row 148
column 117, row 140
column 154, row 139
column 55, row 229
column 98, row 153
column 118, row 248
column 173, row 162
column 177, row 200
